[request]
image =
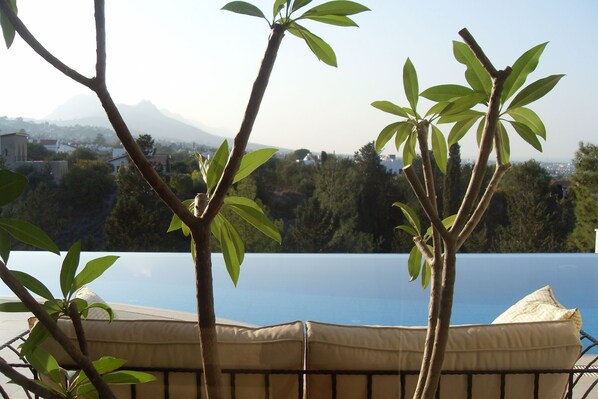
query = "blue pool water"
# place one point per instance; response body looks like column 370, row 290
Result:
column 336, row 288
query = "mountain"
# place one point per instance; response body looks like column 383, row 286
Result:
column 143, row 118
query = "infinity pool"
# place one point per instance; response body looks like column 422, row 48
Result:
column 336, row 288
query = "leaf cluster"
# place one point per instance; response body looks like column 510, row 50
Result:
column 227, row 235
column 335, row 12
column 456, row 105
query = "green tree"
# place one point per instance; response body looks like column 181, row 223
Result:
column 452, row 193
column 147, row 144
column 37, row 152
column 81, row 154
column 585, row 192
column 88, row 183
column 533, row 214
column 182, row 184
column 138, row 220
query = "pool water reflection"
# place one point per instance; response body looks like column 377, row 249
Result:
column 336, row 288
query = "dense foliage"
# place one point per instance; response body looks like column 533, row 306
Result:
column 336, row 204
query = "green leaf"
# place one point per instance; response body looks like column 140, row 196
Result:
column 467, row 114
column 92, row 270
column 254, row 215
column 439, row 149
column 12, row 186
column 233, row 249
column 426, row 275
column 242, row 7
column 4, row 245
column 443, row 93
column 535, row 91
column 463, row 104
column 437, row 109
column 46, row 364
column 407, row 229
column 524, row 65
column 409, row 149
column 29, row 234
column 317, row 45
column 278, row 5
column 107, row 364
column 39, row 333
column 252, row 161
column 528, row 117
column 69, row 268
column 128, row 377
column 410, row 215
column 504, row 143
column 403, row 133
column 216, row 165
column 338, row 7
column 8, row 29
column 414, row 263
column 475, row 74
column 13, row 307
column 459, row 130
column 299, row 4
column 104, row 307
column 176, row 223
column 386, row 134
column 388, row 107
column 410, row 84
column 527, row 134
column 337, row 20
column 32, row 284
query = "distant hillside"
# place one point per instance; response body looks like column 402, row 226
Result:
column 143, row 118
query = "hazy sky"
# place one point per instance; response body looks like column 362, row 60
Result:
column 193, row 59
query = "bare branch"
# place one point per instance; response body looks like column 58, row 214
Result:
column 76, row 319
column 100, row 40
column 143, row 165
column 479, row 169
column 484, row 203
column 478, row 52
column 425, row 251
column 28, row 37
column 429, row 209
column 26, row 382
column 242, row 137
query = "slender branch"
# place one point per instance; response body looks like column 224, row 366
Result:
column 146, row 169
column 100, row 19
column 479, row 169
column 26, row 382
column 483, row 205
column 81, row 360
column 76, row 319
column 423, row 248
column 242, row 137
column 205, row 303
column 28, row 37
column 429, row 209
column 477, row 50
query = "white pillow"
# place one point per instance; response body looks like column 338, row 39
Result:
column 540, row 305
column 91, row 297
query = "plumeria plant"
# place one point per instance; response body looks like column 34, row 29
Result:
column 204, row 214
column 59, row 382
column 486, row 102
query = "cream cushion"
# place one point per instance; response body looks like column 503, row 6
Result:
column 91, row 297
column 175, row 344
column 517, row 346
column 540, row 305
